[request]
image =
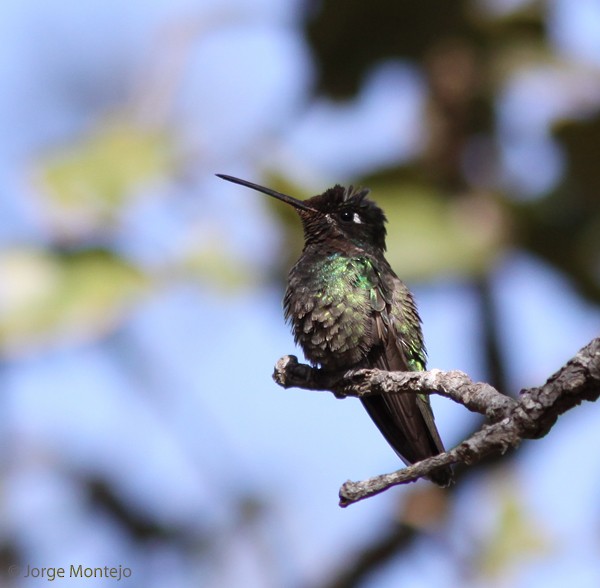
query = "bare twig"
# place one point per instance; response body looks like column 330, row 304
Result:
column 510, row 421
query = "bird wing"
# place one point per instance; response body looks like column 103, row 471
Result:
column 405, row 420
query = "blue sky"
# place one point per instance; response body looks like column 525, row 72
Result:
column 177, row 407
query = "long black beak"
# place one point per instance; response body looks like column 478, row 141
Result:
column 283, row 197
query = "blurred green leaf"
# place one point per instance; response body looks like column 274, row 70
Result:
column 430, row 235
column 90, row 179
column 212, row 265
column 47, row 297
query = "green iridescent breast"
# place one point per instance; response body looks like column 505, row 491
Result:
column 330, row 306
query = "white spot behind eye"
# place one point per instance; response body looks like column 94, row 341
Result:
column 356, row 218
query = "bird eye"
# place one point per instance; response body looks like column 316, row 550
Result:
column 347, row 216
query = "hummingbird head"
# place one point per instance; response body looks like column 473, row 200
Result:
column 337, row 214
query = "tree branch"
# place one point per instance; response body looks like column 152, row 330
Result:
column 531, row 416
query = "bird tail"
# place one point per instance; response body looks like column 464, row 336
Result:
column 406, row 422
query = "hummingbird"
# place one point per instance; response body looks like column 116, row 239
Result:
column 349, row 310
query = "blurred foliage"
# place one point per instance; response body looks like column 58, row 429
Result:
column 515, row 537
column 210, row 264
column 429, row 235
column 449, row 209
column 86, row 184
column 70, row 297
column 564, row 227
column 442, row 220
column 349, row 37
